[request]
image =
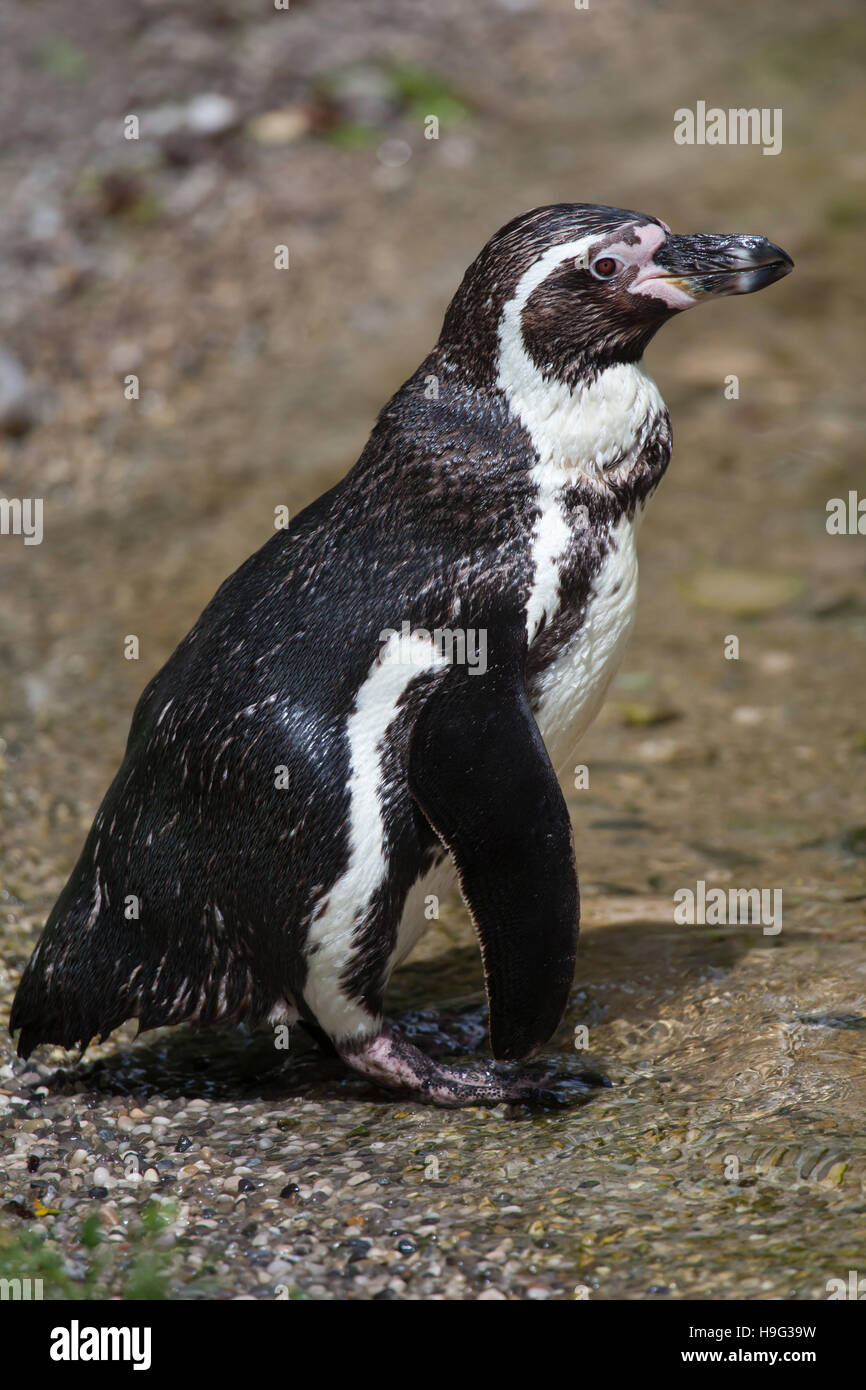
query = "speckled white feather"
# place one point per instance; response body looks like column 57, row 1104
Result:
column 573, row 687
column 576, row 433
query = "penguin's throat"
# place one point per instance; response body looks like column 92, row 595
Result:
column 591, row 430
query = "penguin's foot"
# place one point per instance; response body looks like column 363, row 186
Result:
column 392, row 1061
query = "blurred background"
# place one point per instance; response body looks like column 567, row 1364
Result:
column 154, row 258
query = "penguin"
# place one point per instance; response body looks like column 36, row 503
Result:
column 380, row 700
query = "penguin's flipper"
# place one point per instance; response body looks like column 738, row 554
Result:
column 480, row 772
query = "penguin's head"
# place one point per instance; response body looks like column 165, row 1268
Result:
column 579, row 288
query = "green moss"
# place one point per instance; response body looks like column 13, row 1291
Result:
column 63, row 60
column 133, row 1269
column 426, row 94
column 352, row 135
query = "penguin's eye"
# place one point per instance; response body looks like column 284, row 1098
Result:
column 605, row 267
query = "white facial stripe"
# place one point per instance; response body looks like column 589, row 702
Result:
column 333, row 929
column 539, row 271
column 576, row 433
column 534, row 402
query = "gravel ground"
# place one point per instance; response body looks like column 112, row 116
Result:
column 726, row 1160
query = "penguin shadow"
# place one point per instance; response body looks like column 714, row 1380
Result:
column 269, row 1064
column 439, row 1005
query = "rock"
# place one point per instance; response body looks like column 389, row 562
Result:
column 362, row 95
column 393, row 153
column 743, row 593
column 19, row 396
column 750, row 715
column 279, row 127
column 660, row 750
column 776, row 663
column 192, row 191
column 163, row 120
column 209, row 113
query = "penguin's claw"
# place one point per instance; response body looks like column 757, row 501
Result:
column 556, row 1090
column 391, row 1061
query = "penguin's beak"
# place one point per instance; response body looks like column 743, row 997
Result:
column 706, row 267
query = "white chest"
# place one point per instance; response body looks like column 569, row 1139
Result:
column 573, row 686
column 576, row 435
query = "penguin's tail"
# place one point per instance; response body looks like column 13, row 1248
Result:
column 74, row 985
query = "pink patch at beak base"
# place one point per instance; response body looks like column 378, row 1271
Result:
column 658, row 283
